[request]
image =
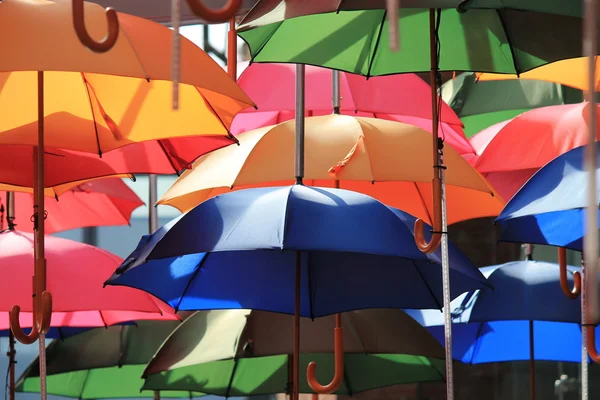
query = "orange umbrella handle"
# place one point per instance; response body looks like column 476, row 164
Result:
column 564, row 283
column 311, row 371
column 436, row 237
column 591, row 344
column 41, row 321
column 222, row 14
column 79, row 24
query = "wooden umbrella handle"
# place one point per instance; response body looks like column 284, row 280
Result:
column 79, row 24
column 591, row 344
column 436, row 236
column 564, row 282
column 41, row 320
column 222, row 14
column 311, row 371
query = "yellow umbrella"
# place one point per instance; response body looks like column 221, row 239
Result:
column 385, row 159
column 55, row 92
column 572, row 72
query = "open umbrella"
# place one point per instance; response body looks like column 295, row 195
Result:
column 481, row 104
column 510, row 152
column 246, row 353
column 377, row 157
column 102, row 202
column 104, row 363
column 525, row 317
column 403, row 98
column 97, row 101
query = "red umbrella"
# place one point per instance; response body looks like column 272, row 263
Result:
column 510, row 152
column 404, row 98
column 76, row 274
column 102, row 202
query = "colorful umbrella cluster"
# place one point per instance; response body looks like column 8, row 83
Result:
column 316, row 199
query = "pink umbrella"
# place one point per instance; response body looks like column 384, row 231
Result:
column 510, row 152
column 76, row 273
column 404, row 98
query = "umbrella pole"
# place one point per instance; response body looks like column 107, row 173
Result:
column 152, row 199
column 335, row 91
column 11, row 365
column 175, row 22
column 584, row 335
column 299, row 172
column 531, row 362
column 438, row 146
column 232, row 50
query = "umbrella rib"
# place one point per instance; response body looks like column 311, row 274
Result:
column 368, row 75
column 510, row 45
column 212, row 109
column 198, row 268
column 131, row 46
column 87, row 91
column 439, row 305
column 423, row 201
column 477, row 343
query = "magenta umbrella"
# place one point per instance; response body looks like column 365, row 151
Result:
column 405, row 98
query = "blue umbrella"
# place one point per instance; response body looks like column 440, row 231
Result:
column 239, row 250
column 525, row 317
column 549, row 208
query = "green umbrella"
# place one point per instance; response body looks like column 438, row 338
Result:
column 242, row 352
column 485, row 103
column 102, row 363
column 480, row 40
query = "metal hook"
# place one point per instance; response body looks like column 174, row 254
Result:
column 41, row 320
column 311, row 371
column 436, row 237
column 222, row 14
column 564, row 282
column 79, row 24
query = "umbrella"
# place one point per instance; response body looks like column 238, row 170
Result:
column 338, row 232
column 525, row 317
column 246, row 353
column 99, row 101
column 512, row 151
column 102, row 202
column 102, row 363
column 377, row 157
column 481, row 104
column 404, row 98
column 571, row 72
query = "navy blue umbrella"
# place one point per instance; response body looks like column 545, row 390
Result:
column 549, row 208
column 525, row 317
column 239, row 250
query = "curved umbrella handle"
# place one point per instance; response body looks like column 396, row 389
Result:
column 591, row 344
column 564, row 282
column 79, row 24
column 222, row 14
column 311, row 371
column 436, row 237
column 41, row 321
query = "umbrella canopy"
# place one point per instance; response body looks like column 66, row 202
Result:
column 384, row 159
column 102, row 363
column 103, row 101
column 549, row 208
column 487, row 321
column 75, row 275
column 512, row 151
column 102, row 202
column 485, row 40
column 481, row 104
column 243, row 352
column 404, row 98
column 571, row 72
column 356, row 253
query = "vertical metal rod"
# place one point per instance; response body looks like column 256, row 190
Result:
column 335, row 91
column 296, row 351
column 90, row 235
column 10, row 210
column 531, row 362
column 11, row 364
column 39, row 245
column 152, row 199
column 156, row 395
column 299, row 167
column 584, row 350
column 175, row 61
column 232, row 50
column 589, row 292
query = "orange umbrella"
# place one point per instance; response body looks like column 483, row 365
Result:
column 384, row 159
column 102, row 202
column 571, row 72
column 100, row 100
